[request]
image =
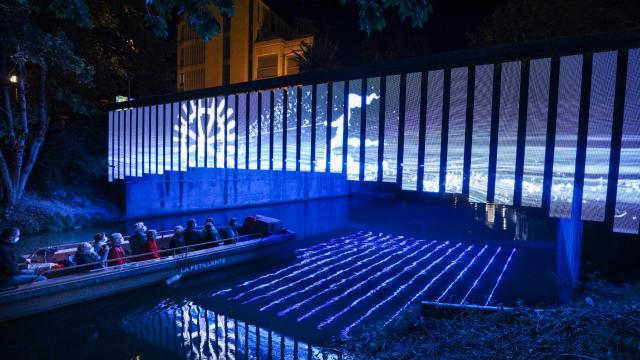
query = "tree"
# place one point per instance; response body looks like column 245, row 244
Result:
column 371, row 12
column 319, row 55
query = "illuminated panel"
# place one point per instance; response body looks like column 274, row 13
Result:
column 411, row 132
column 536, row 132
column 168, row 126
column 242, row 131
column 507, row 132
column 596, row 169
column 391, row 128
column 433, row 134
column 627, row 215
column 192, row 135
column 184, row 135
column 305, row 130
column 160, row 138
column 253, row 131
column 221, row 106
column 175, row 137
column 110, row 147
column 457, row 125
column 354, row 125
column 479, row 178
column 372, row 131
column 265, row 124
column 127, row 142
column 337, row 127
column 210, row 139
column 292, row 128
column 564, row 158
column 278, row 136
column 145, row 140
column 231, row 132
column 119, row 144
column 202, row 113
column 139, row 146
column 153, row 141
column 320, row 164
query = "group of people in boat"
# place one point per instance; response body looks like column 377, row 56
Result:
column 110, row 252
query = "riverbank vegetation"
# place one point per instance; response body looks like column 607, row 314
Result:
column 602, row 323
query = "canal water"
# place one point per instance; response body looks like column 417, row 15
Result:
column 359, row 264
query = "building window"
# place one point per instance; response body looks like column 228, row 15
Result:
column 293, row 67
column 192, row 54
column 190, row 80
column 226, row 50
column 267, row 66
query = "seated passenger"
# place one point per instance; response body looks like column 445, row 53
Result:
column 86, row 254
column 137, row 239
column 10, row 272
column 209, row 234
column 249, row 225
column 232, row 231
column 116, row 253
column 150, row 247
column 100, row 243
column 191, row 235
column 177, row 240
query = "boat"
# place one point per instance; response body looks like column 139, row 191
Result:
column 80, row 283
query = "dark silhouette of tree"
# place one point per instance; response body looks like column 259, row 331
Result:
column 527, row 20
column 321, row 54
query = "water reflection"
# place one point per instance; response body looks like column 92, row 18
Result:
column 193, row 332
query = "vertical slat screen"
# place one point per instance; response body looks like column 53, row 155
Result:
column 481, row 133
column 457, row 125
column 411, row 132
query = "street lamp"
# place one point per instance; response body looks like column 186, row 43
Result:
column 13, row 79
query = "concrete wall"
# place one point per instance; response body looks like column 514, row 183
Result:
column 208, row 189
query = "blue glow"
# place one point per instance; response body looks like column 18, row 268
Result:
column 444, row 293
column 482, row 102
column 356, row 274
column 475, row 282
column 330, row 319
column 411, row 132
column 374, row 276
column 346, row 330
column 506, row 264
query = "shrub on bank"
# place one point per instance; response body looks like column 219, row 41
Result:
column 604, row 323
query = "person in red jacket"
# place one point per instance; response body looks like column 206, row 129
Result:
column 116, row 253
column 150, row 247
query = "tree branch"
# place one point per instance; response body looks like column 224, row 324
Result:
column 43, row 124
column 23, row 131
column 5, row 92
column 5, row 175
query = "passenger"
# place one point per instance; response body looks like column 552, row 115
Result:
column 10, row 272
column 249, row 225
column 232, row 231
column 191, row 235
column 150, row 247
column 137, row 239
column 209, row 234
column 100, row 244
column 86, row 254
column 209, row 220
column 116, row 253
column 177, row 240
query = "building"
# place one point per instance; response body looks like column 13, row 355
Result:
column 255, row 43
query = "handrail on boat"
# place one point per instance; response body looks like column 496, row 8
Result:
column 182, row 252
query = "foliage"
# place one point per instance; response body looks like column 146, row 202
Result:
column 527, row 20
column 321, row 54
column 371, row 12
column 197, row 12
column 606, row 325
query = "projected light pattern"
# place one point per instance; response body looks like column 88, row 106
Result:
column 343, row 282
column 506, row 264
column 191, row 331
column 203, row 132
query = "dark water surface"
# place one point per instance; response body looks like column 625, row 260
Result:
column 358, row 264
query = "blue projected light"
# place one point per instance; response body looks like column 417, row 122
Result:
column 192, row 135
column 160, row 139
column 596, row 171
column 391, row 129
column 175, row 139
column 433, row 134
column 110, row 147
column 168, row 127
column 411, row 132
column 481, row 138
column 536, row 132
column 265, row 128
column 320, row 164
column 305, row 129
column 337, row 127
column 477, row 280
column 145, row 140
column 219, row 130
column 231, row 132
column 127, row 142
column 461, row 274
column 278, row 128
column 242, row 131
column 627, row 211
column 292, row 129
column 372, row 130
column 506, row 264
column 353, row 134
column 507, row 133
column 564, row 158
column 253, row 131
column 457, row 126
column 153, row 141
column 202, row 120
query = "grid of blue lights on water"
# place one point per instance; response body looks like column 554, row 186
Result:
column 347, row 281
column 245, row 131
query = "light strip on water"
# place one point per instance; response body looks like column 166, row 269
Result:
column 346, row 330
column 480, row 276
column 461, row 274
column 506, row 264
